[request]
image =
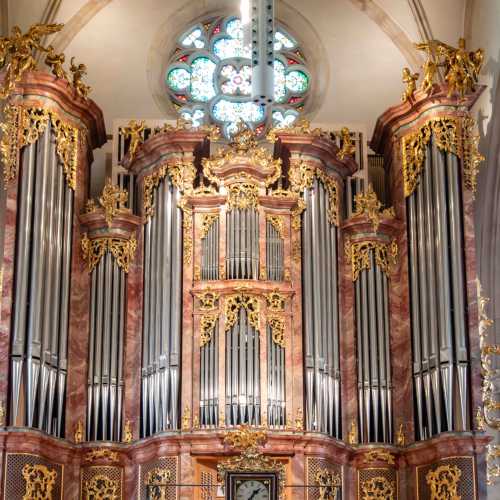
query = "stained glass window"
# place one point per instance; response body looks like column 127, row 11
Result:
column 209, row 77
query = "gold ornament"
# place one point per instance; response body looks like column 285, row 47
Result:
column 187, row 231
column 243, row 196
column 128, row 436
column 222, row 272
column 17, row 53
column 471, row 158
column 299, row 421
column 196, row 273
column 480, row 422
column 208, row 300
column 328, row 484
column 411, row 84
column 157, row 482
column 186, row 419
column 352, row 436
column 208, row 322
column 79, row 432
column 182, row 125
column 378, row 488
column 101, row 454
column 296, row 214
column 66, row 147
column 234, row 303
column 78, row 73
column 135, row 132
column 348, row 148
column 277, row 326
column 275, row 301
column 278, row 223
column 492, row 464
column 297, row 250
column 2, row 406
column 368, row 203
column 443, row 482
column 101, row 487
column 245, row 438
column 358, row 253
column 206, row 224
column 40, row 481
column 112, row 200
column 379, row 455
column 150, row 183
column 300, row 127
column 122, row 250
column 90, row 206
column 55, row 63
column 400, row 436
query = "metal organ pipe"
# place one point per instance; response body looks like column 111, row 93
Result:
column 440, row 366
column 210, row 252
column 42, row 274
column 320, row 312
column 162, row 312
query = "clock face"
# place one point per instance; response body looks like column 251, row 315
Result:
column 253, row 489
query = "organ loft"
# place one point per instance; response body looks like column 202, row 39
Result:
column 240, row 311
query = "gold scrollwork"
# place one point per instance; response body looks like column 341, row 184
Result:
column 348, row 148
column 208, row 300
column 277, row 221
column 23, row 126
column 101, row 487
column 368, row 203
column 379, row 455
column 187, row 229
column 208, row 322
column 79, row 432
column 452, row 136
column 242, row 195
column 234, row 303
column 101, row 454
column 128, row 435
column 157, row 482
column 378, row 488
column 443, row 482
column 277, row 326
column 301, row 177
column 299, row 421
column 328, row 484
column 112, row 200
column 150, row 183
column 206, row 224
column 40, row 481
column 133, row 131
column 301, row 127
column 358, row 253
column 94, row 249
column 492, row 463
column 400, row 436
column 275, row 301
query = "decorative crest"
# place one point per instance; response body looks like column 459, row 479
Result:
column 234, row 303
column 112, row 200
column 101, row 454
column 443, row 482
column 122, row 250
column 208, row 299
column 368, row 203
column 246, row 438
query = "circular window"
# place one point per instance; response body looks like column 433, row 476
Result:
column 209, row 77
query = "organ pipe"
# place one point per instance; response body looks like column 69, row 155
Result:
column 209, row 373
column 42, row 274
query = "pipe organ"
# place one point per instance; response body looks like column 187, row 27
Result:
column 153, row 338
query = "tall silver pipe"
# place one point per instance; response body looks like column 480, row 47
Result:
column 373, row 354
column 146, row 328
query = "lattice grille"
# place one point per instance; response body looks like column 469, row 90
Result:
column 113, row 474
column 169, row 463
column 15, row 484
column 371, row 473
column 313, row 466
column 466, row 489
column 209, row 490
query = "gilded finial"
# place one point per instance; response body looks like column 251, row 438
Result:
column 112, row 200
column 78, row 436
column 352, row 436
column 127, row 433
column 411, row 84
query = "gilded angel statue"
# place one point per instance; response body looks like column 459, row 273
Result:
column 78, row 73
column 55, row 62
column 411, row 84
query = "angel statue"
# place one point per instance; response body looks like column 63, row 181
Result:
column 78, row 73
column 135, row 132
column 411, row 84
column 18, row 52
column 55, row 62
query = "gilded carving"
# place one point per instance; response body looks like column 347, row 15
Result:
column 379, row 455
column 112, row 200
column 299, row 421
column 358, row 253
column 443, row 482
column 208, row 322
column 133, row 131
column 79, row 71
column 183, row 125
column 40, row 481
column 297, row 250
column 296, row 213
column 278, row 223
column 234, row 303
column 183, row 175
column 101, row 487
column 79, row 432
column 368, row 203
column 10, row 143
column 206, row 223
column 242, row 195
column 101, row 454
column 186, row 419
column 277, row 326
column 348, row 148
column 471, row 158
column 157, row 482
column 300, row 127
column 187, row 228
column 492, row 463
column 352, row 435
column 67, row 148
column 208, row 300
column 400, row 436
column 410, row 79
column 150, row 183
column 55, row 63
column 275, row 301
column 122, row 250
column 378, row 488
column 128, row 435
column 17, row 53
column 328, row 484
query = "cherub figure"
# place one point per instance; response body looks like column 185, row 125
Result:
column 78, row 73
column 134, row 131
column 55, row 62
column 411, row 84
column 430, row 70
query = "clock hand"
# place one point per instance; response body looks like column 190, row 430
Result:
column 254, row 493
